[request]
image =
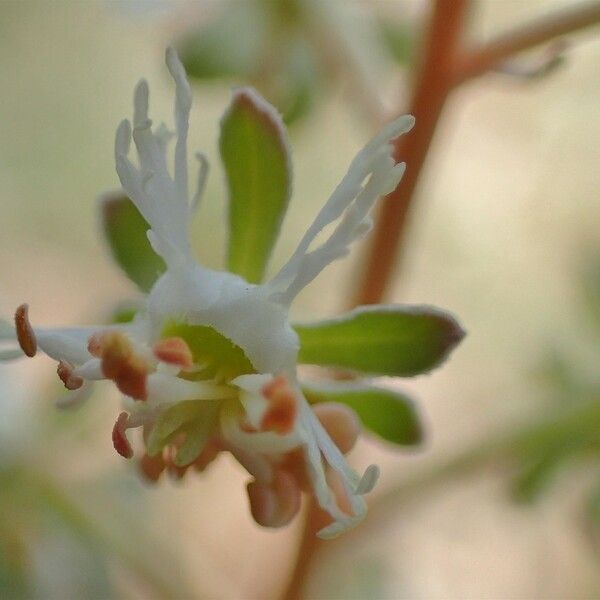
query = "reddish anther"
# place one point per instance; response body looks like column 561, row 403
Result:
column 120, row 363
column 25, row 333
column 95, row 345
column 152, row 467
column 174, row 351
column 281, row 413
column 65, row 372
column 120, row 441
column 274, row 504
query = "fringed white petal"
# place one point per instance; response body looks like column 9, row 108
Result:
column 162, row 200
column 183, row 104
column 319, row 445
column 240, row 311
column 352, row 200
column 265, row 442
column 168, row 389
column 203, row 170
column 68, row 344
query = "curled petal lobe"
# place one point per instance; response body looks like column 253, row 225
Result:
column 66, row 375
column 120, row 441
column 25, row 334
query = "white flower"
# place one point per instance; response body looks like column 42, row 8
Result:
column 210, row 363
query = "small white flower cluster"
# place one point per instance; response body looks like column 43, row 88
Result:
column 250, row 405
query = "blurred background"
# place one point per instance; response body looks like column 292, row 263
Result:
column 503, row 498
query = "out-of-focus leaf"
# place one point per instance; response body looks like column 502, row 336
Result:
column 299, row 81
column 229, row 45
column 14, row 580
column 125, row 230
column 384, row 340
column 594, row 506
column 69, row 563
column 591, row 288
column 125, row 312
column 536, row 475
column 389, row 415
column 399, row 38
column 256, row 157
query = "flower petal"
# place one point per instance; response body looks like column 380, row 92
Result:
column 352, row 201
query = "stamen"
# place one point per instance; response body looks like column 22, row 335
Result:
column 152, row 467
column 276, row 504
column 25, row 333
column 95, row 345
column 65, row 372
column 120, row 363
column 174, row 351
column 120, row 441
column 283, row 408
column 340, row 422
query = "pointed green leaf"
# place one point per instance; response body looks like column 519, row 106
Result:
column 125, row 230
column 389, row 415
column 382, row 340
column 255, row 154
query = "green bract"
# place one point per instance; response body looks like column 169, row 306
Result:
column 254, row 151
column 125, row 231
column 389, row 415
column 381, row 340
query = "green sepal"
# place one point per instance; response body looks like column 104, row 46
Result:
column 381, row 340
column 256, row 157
column 211, row 349
column 170, row 422
column 389, row 415
column 125, row 230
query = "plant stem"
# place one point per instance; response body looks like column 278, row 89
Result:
column 432, row 87
column 308, row 545
column 445, row 67
column 492, row 54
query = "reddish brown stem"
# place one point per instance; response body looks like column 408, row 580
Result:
column 308, row 546
column 492, row 54
column 432, row 87
column 446, row 66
